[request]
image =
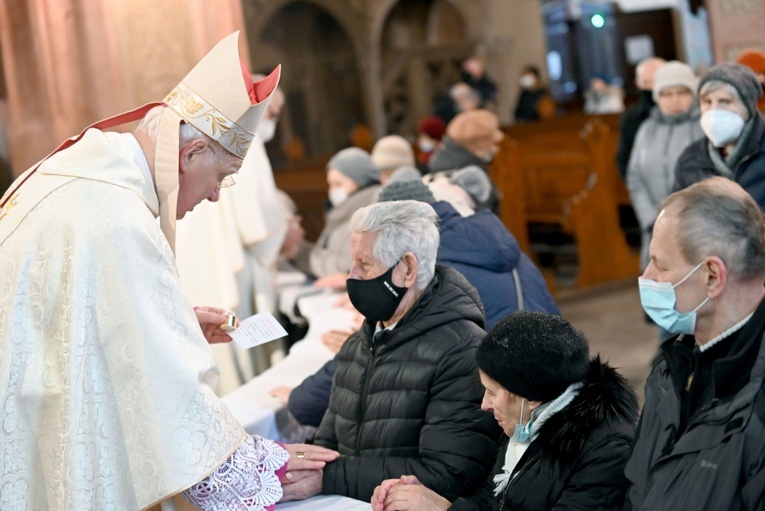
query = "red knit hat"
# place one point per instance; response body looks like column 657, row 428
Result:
column 753, row 59
column 433, row 126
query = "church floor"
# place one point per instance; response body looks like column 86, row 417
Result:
column 612, row 319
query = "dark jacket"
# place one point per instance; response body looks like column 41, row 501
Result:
column 703, row 449
column 409, row 401
column 526, row 109
column 485, row 252
column 695, row 164
column 629, row 124
column 577, row 459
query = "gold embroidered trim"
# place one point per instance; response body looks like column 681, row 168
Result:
column 209, row 120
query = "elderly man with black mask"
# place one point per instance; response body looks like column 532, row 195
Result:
column 406, row 396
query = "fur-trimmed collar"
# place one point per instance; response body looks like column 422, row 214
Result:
column 605, row 396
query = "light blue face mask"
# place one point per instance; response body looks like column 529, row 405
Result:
column 522, row 432
column 659, row 299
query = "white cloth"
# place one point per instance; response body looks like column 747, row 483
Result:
column 106, row 377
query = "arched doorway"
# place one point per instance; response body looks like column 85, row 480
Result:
column 423, row 45
column 320, row 76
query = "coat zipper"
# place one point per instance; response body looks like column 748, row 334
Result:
column 364, row 396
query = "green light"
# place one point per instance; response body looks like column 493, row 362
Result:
column 598, row 21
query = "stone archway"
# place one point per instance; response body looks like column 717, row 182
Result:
column 423, row 43
column 320, row 68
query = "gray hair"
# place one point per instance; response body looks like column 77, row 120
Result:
column 713, row 85
column 150, row 125
column 402, row 226
column 716, row 217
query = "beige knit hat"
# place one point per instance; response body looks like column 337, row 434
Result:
column 392, row 152
column 671, row 74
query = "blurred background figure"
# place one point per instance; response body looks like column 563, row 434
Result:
column 672, row 126
column 390, row 153
column 602, row 97
column 464, row 97
column 534, row 101
column 474, row 74
column 634, row 116
column 430, row 131
column 354, row 182
column 755, row 60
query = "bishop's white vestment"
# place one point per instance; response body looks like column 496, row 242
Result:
column 105, row 376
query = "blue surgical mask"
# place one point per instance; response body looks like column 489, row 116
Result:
column 659, row 299
column 522, row 432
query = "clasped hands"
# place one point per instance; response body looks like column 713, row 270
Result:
column 407, row 493
column 304, row 476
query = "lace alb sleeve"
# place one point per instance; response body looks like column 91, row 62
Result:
column 247, row 481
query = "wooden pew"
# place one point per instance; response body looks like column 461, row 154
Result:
column 567, row 177
column 306, row 184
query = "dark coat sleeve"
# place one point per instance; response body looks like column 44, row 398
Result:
column 598, row 481
column 483, row 499
column 628, row 126
column 308, row 401
column 457, row 441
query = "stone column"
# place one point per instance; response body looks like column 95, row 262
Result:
column 736, row 25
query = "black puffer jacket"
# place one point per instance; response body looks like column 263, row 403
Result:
column 409, row 402
column 577, row 460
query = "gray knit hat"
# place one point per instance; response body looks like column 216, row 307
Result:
column 405, row 173
column 357, row 165
column 741, row 78
column 474, row 181
column 406, row 190
column 671, row 74
column 534, row 355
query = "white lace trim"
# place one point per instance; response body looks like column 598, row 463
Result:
column 726, row 333
column 247, row 481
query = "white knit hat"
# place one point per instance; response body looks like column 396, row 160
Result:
column 671, row 74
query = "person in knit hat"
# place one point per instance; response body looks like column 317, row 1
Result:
column 568, row 423
column 734, row 146
column 354, row 182
column 472, row 138
column 755, row 60
column 672, row 126
column 430, row 131
column 390, row 153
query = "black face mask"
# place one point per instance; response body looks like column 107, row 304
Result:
column 376, row 299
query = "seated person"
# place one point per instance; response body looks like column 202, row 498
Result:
column 479, row 246
column 472, row 138
column 353, row 181
column 534, row 96
column 602, row 97
column 406, row 395
column 568, row 423
column 390, row 153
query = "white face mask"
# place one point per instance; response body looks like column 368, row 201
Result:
column 267, row 129
column 721, row 127
column 337, row 196
column 426, row 145
column 527, row 81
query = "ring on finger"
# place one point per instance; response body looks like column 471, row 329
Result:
column 300, row 454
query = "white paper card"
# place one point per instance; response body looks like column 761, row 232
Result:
column 256, row 330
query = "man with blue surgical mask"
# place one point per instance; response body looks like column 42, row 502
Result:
column 734, row 146
column 703, row 422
